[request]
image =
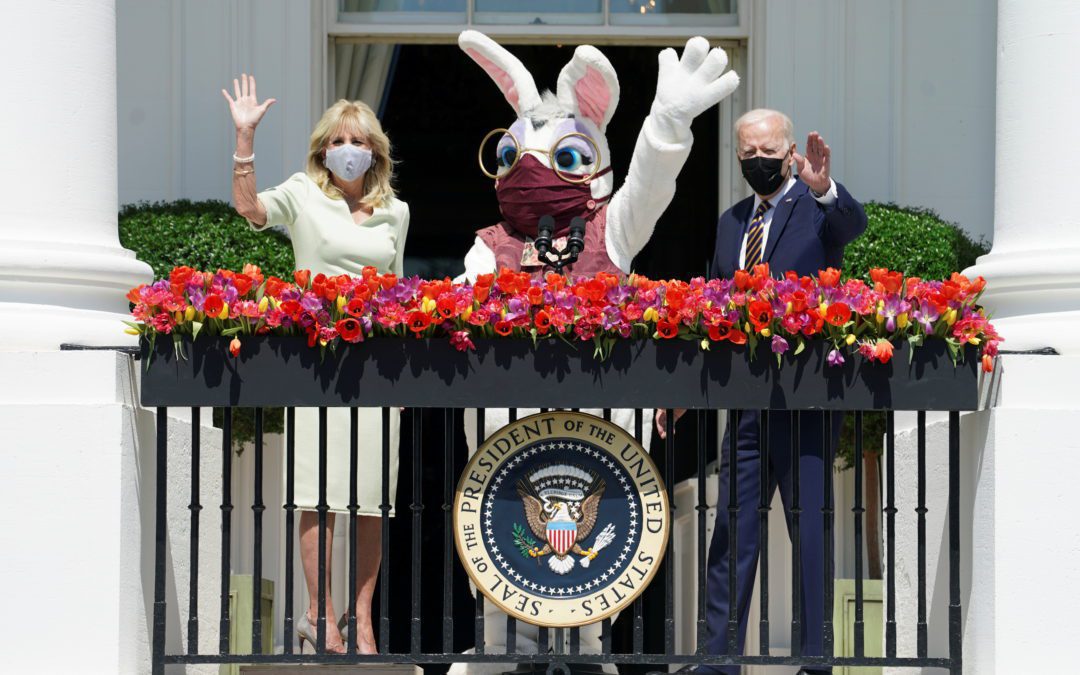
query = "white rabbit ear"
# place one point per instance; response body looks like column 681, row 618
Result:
column 513, row 80
column 589, row 87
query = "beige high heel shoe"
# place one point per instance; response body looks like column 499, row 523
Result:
column 305, row 631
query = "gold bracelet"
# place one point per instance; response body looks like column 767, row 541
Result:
column 244, row 172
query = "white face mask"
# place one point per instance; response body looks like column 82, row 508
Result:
column 348, row 162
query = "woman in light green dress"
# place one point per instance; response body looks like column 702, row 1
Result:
column 342, row 215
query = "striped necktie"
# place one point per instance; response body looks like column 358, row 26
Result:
column 755, row 237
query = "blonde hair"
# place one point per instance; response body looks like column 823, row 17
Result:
column 760, row 115
column 378, row 188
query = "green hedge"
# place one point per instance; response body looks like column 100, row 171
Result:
column 918, row 243
column 205, row 235
column 913, row 241
column 208, row 235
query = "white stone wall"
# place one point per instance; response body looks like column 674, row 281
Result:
column 78, row 484
column 176, row 137
column 903, row 92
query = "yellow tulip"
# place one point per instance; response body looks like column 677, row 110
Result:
column 850, row 339
column 765, row 332
column 788, row 309
column 224, row 313
column 178, row 316
column 705, row 344
column 263, row 304
column 650, row 314
column 340, row 302
column 974, row 341
column 466, row 314
column 428, row 305
column 902, row 320
column 189, row 313
column 823, row 307
column 950, row 316
column 132, row 331
column 746, row 326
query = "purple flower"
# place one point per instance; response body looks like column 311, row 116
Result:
column 311, row 302
column 779, row 345
column 612, row 318
column 836, row 358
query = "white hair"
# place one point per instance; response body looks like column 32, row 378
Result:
column 760, row 115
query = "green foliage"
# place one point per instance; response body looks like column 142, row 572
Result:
column 914, row 241
column 204, row 235
column 918, row 243
column 207, row 236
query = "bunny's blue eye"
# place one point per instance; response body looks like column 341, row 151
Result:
column 507, row 156
column 571, row 159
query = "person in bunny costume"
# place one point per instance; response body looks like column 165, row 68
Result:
column 554, row 161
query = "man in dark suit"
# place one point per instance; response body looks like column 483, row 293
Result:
column 792, row 223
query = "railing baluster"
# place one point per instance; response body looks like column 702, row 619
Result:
column 257, row 509
column 639, row 621
column 860, row 628
column 605, row 636
column 796, row 539
column 417, row 507
column 733, row 534
column 669, row 556
column 922, row 633
column 890, row 525
column 764, row 506
column 511, row 622
column 226, row 527
column 384, row 565
column 542, row 646
column 322, row 508
column 511, row 634
column 478, row 620
column 828, row 545
column 560, row 637
column 956, row 636
column 160, row 535
column 195, row 507
column 354, row 506
column 448, row 530
column 575, row 640
column 290, row 514
column 702, row 634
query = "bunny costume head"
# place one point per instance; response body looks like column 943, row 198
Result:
column 554, row 158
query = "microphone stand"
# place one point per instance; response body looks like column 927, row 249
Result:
column 557, row 258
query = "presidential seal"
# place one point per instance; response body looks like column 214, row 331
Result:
column 561, row 519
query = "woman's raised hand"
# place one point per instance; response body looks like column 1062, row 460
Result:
column 246, row 110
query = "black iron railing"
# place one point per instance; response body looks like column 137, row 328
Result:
column 418, row 374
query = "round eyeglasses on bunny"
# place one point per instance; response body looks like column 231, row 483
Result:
column 567, row 157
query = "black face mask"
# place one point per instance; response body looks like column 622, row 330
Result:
column 764, row 174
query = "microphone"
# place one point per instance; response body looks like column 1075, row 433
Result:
column 544, row 229
column 575, row 243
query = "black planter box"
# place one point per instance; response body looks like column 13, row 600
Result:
column 284, row 371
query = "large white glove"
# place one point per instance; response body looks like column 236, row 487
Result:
column 687, row 87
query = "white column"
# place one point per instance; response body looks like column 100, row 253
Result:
column 63, row 273
column 1033, row 271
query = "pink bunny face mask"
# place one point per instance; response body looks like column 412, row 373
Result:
column 533, row 190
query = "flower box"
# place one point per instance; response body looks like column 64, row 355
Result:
column 284, row 371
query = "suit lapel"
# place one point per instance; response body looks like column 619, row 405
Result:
column 780, row 218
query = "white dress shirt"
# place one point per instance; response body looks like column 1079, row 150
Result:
column 825, row 200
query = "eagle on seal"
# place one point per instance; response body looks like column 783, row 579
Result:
column 561, row 503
